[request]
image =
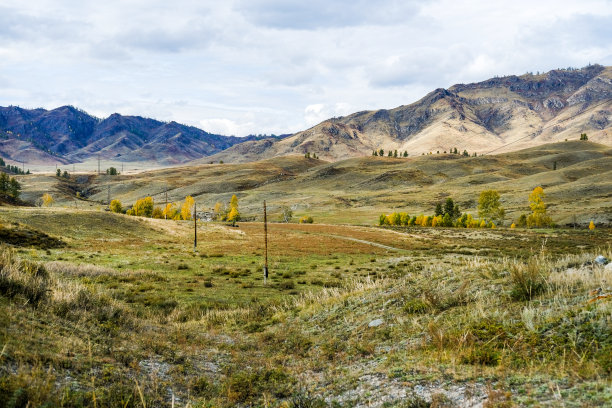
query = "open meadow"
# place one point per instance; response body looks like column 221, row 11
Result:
column 120, row 311
column 102, row 309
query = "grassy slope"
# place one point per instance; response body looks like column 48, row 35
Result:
column 131, row 305
column 354, row 190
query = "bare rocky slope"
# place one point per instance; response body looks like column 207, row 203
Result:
column 500, row 114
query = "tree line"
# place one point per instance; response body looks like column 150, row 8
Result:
column 145, row 207
column 13, row 169
column 395, row 154
column 490, row 214
column 9, row 186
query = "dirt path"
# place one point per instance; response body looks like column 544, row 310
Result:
column 363, row 241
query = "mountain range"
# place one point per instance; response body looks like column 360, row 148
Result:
column 67, row 134
column 500, row 114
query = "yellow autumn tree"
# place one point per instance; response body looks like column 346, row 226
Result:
column 513, row 226
column 187, row 208
column 143, row 207
column 592, row 226
column 115, row 206
column 538, row 218
column 234, row 214
column 219, row 211
column 47, row 200
column 169, row 211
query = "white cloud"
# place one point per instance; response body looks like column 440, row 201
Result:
column 225, row 126
column 241, row 67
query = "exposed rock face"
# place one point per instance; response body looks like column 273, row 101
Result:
column 499, row 114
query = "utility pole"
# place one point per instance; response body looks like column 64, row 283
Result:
column 108, row 195
column 98, row 165
column 265, row 268
column 166, row 205
column 195, row 228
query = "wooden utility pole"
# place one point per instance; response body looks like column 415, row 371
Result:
column 265, row 268
column 195, row 228
column 98, row 165
column 166, row 205
column 108, row 195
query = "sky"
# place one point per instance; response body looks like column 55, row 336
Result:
column 239, row 67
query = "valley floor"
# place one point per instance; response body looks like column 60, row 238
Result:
column 107, row 310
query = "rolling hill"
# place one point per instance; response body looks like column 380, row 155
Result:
column 357, row 190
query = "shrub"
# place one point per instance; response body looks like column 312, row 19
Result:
column 115, row 206
column 486, row 356
column 245, row 386
column 528, row 280
column 22, row 278
column 157, row 213
column 307, row 219
column 287, row 285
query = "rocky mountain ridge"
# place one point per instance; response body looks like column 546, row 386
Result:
column 496, row 115
column 499, row 114
column 67, row 134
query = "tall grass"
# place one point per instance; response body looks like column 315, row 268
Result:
column 22, row 278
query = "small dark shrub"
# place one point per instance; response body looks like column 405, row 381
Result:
column 415, row 306
column 287, row 285
column 202, row 387
column 22, row 278
column 528, row 280
column 485, row 355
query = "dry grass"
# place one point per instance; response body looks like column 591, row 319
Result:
column 448, row 316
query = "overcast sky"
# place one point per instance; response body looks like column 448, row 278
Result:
column 279, row 66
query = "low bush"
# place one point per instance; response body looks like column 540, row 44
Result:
column 528, row 279
column 23, row 278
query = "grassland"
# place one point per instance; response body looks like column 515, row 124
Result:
column 129, row 315
column 355, row 191
column 103, row 310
